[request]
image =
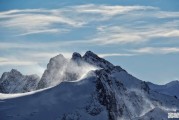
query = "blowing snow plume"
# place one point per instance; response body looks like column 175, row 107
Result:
column 60, row 69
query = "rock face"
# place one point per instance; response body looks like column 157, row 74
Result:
column 15, row 82
column 119, row 100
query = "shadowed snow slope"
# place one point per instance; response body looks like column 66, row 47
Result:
column 68, row 98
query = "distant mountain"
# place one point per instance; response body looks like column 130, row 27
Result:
column 15, row 82
column 171, row 88
column 88, row 88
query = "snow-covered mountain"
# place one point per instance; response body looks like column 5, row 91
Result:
column 60, row 69
column 15, row 82
column 106, row 92
column 171, row 88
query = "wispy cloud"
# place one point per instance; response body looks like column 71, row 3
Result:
column 33, row 21
column 43, row 31
column 16, row 62
column 134, row 34
column 156, row 50
column 107, row 10
column 33, row 45
column 167, row 14
column 114, row 25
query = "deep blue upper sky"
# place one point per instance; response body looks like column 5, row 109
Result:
column 142, row 36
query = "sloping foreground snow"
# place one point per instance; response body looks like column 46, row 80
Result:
column 52, row 104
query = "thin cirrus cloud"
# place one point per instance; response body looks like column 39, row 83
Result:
column 32, row 45
column 9, row 61
column 107, row 10
column 156, row 50
column 34, row 21
column 43, row 31
column 133, row 34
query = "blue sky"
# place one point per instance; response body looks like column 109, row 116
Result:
column 141, row 36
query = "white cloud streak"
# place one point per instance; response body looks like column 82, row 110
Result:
column 42, row 31
column 109, row 10
column 123, row 35
column 156, row 50
column 33, row 45
column 16, row 62
column 33, row 21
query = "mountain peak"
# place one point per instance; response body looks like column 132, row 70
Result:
column 76, row 56
column 56, row 61
column 90, row 53
column 14, row 71
column 93, row 59
column 58, row 57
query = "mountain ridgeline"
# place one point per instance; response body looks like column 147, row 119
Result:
column 81, row 88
